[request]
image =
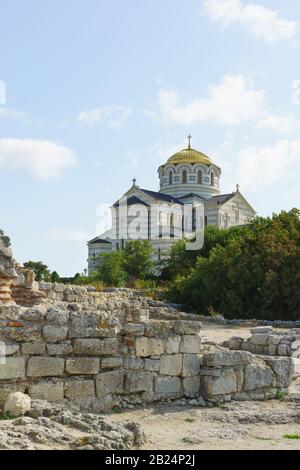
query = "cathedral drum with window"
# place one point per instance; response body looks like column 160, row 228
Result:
column 188, row 178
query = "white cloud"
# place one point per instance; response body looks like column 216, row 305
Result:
column 278, row 123
column 260, row 21
column 6, row 113
column 261, row 167
column 112, row 116
column 68, row 235
column 41, row 159
column 232, row 102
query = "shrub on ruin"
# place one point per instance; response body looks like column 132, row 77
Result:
column 255, row 274
column 111, row 269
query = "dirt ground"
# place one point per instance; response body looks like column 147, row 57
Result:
column 237, row 425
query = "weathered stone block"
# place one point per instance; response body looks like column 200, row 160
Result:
column 261, row 330
column 26, row 333
column 57, row 315
column 283, row 369
column 167, row 386
column 109, row 383
column 111, row 362
column 96, row 347
column 190, row 365
column 149, row 347
column 47, row 391
column 191, row 386
column 33, row 349
column 190, row 344
column 8, row 349
column 170, row 364
column 257, row 375
column 156, row 328
column 272, row 350
column 223, row 385
column 45, row 367
column 138, row 382
column 80, row 391
column 134, row 363
column 62, row 349
column 14, row 368
column 260, row 339
column 55, row 333
column 82, row 366
column 187, row 327
column 274, row 340
column 173, row 344
column 249, row 347
column 283, row 350
column 134, row 329
column 152, row 365
column 226, row 358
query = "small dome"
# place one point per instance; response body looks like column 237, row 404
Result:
column 189, row 155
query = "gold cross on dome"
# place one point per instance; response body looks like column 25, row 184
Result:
column 189, row 137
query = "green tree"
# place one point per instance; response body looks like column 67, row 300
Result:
column 55, row 277
column 111, row 269
column 40, row 270
column 137, row 258
column 256, row 274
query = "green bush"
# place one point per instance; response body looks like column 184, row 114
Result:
column 111, row 270
column 255, row 273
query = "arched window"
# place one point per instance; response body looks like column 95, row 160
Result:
column 199, row 177
column 184, row 176
column 171, row 177
column 212, row 177
column 172, row 221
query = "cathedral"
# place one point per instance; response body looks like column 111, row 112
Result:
column 188, row 180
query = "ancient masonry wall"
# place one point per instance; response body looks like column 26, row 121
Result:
column 267, row 341
column 103, row 358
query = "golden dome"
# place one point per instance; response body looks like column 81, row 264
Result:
column 189, row 155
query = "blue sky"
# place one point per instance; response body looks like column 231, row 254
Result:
column 99, row 92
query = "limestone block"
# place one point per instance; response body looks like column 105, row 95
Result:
column 62, row 349
column 149, row 347
column 187, row 327
column 274, row 340
column 82, row 366
column 173, row 344
column 134, row 363
column 258, row 375
column 26, row 333
column 152, row 365
column 111, row 362
column 6, row 389
column 167, row 386
column 134, row 329
column 17, row 404
column 49, row 391
column 239, row 373
column 190, row 344
column 138, row 382
column 295, row 345
column 170, row 364
column 110, row 382
column 53, row 334
column 190, row 365
column 283, row 369
column 8, row 349
column 33, row 349
column 14, row 368
column 225, row 384
column 249, row 347
column 261, row 330
column 57, row 315
column 260, row 339
column 80, row 390
column 95, row 346
column 191, row 386
column 272, row 350
column 157, row 328
column 235, row 343
column 211, row 372
column 45, row 367
column 226, row 358
column 34, row 314
column 283, row 350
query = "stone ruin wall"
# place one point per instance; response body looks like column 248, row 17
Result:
column 102, row 360
column 267, row 341
column 106, row 349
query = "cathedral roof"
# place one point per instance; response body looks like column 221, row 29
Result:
column 189, row 155
column 161, row 196
column 222, row 198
